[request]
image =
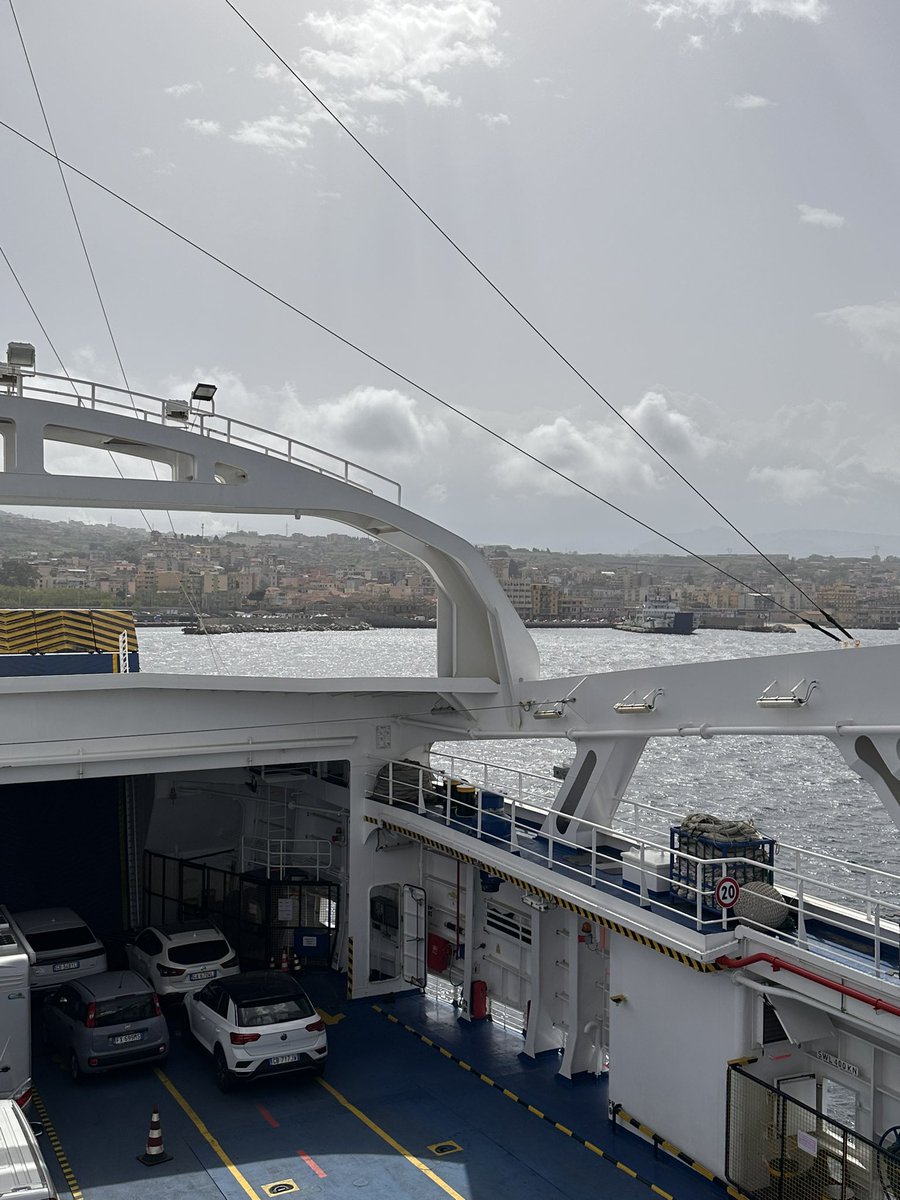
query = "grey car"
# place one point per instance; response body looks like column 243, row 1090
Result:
column 105, row 1021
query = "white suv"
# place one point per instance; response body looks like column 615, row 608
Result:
column 260, row 1023
column 178, row 959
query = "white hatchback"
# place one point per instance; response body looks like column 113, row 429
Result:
column 259, row 1023
column 59, row 945
column 178, row 959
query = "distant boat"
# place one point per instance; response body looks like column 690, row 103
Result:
column 659, row 616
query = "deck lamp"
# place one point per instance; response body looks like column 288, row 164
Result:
column 21, row 355
column 203, row 391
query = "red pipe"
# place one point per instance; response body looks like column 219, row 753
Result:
column 780, row 964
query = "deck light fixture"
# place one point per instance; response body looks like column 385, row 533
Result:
column 644, row 705
column 538, row 903
column 21, row 355
column 795, row 698
column 549, row 712
column 203, row 391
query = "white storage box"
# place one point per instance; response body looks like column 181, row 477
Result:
column 656, row 869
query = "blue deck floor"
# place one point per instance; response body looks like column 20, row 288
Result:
column 387, row 1097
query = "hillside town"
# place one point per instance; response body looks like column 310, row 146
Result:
column 177, row 577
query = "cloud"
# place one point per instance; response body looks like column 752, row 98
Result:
column 819, row 216
column 668, row 429
column 735, row 10
column 694, row 42
column 397, row 41
column 876, row 327
column 749, row 101
column 281, row 133
column 793, row 484
column 492, row 120
column 380, row 421
column 606, row 457
column 387, row 54
column 183, row 89
column 203, row 127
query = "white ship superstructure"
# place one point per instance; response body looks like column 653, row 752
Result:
column 727, row 994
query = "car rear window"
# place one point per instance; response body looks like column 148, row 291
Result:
column 199, row 952
column 61, row 939
column 274, row 1012
column 122, row 1009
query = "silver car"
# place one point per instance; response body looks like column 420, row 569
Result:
column 105, row 1021
column 58, row 944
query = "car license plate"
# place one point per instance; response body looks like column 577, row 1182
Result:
column 280, row 1059
column 202, row 975
column 73, row 965
column 123, row 1038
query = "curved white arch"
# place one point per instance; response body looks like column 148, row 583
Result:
column 479, row 632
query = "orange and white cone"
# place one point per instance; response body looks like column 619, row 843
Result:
column 296, row 962
column 284, row 960
column 155, row 1153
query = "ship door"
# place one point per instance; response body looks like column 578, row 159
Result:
column 413, row 931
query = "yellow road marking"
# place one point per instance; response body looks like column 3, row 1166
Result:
column 385, row 1136
column 53, row 1137
column 203, row 1131
column 330, row 1018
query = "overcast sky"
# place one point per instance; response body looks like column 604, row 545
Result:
column 695, row 200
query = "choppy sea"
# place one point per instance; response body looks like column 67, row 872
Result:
column 798, row 790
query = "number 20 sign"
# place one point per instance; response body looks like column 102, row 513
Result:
column 727, row 891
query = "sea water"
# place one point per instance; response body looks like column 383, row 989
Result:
column 798, row 790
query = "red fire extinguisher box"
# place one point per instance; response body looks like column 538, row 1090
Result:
column 479, row 1007
column 439, row 951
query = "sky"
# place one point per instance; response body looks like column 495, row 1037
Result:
column 694, row 201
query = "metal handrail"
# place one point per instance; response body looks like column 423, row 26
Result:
column 875, row 919
column 208, row 424
column 279, row 855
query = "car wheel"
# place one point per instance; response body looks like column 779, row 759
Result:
column 224, row 1077
column 75, row 1072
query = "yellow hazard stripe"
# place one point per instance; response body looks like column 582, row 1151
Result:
column 56, row 1144
column 536, row 1112
column 616, row 927
column 60, row 630
column 620, row 1114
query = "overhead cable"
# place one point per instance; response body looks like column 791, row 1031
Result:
column 523, row 317
column 372, row 358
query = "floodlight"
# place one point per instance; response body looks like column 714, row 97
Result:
column 203, row 391
column 20, row 354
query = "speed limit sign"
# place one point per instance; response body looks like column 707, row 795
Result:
column 727, row 891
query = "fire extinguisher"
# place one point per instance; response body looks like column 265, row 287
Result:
column 479, row 1008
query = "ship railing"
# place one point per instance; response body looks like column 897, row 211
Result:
column 528, row 787
column 280, row 856
column 857, row 907
column 83, row 393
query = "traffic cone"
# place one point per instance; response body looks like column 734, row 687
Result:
column 271, row 962
column 154, row 1154
column 284, row 960
column 296, row 963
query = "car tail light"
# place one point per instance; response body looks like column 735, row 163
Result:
column 90, row 1017
column 156, row 1007
column 24, row 1094
column 241, row 1039
column 316, row 1027
column 230, row 962
column 169, row 972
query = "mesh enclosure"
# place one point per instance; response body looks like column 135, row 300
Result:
column 778, row 1148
